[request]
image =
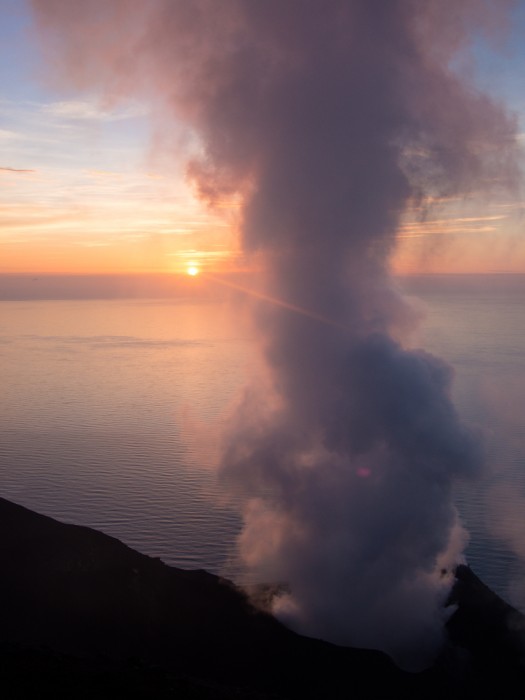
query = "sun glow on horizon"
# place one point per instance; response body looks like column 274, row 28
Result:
column 193, row 269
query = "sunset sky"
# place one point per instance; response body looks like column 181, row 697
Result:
column 89, row 186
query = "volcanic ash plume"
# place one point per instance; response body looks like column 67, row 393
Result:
column 328, row 119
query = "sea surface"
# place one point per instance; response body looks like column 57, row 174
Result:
column 111, row 413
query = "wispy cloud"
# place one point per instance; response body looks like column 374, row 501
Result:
column 452, row 225
column 10, row 135
column 16, row 170
column 92, row 110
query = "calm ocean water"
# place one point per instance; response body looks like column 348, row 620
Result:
column 111, row 414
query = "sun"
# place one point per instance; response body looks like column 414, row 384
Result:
column 192, row 270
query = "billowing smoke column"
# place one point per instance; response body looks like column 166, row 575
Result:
column 329, row 118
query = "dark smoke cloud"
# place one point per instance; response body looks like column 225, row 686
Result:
column 328, row 118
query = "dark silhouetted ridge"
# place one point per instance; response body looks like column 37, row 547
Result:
column 83, row 616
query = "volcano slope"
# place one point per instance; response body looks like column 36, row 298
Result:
column 83, row 615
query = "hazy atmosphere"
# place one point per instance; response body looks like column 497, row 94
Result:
column 261, row 279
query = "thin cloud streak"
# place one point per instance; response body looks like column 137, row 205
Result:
column 16, row 170
column 91, row 110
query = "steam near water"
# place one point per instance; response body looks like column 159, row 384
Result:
column 328, row 120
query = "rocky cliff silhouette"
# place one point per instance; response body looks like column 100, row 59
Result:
column 83, row 615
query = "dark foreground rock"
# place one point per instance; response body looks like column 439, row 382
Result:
column 84, row 616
